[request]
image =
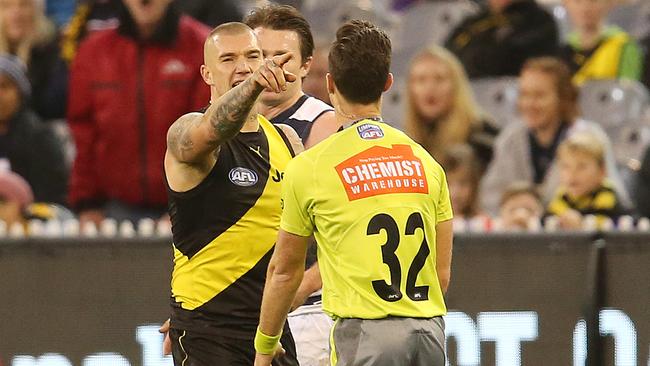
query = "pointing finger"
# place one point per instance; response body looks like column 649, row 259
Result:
column 282, row 59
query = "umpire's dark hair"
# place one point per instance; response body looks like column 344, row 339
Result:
column 359, row 61
column 284, row 17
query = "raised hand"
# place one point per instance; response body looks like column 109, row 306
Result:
column 272, row 76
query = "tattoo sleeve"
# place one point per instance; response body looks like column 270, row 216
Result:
column 229, row 114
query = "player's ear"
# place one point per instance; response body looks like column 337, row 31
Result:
column 305, row 67
column 330, row 84
column 206, row 75
column 389, row 82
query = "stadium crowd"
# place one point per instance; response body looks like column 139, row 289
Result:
column 89, row 88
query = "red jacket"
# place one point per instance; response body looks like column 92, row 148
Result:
column 124, row 95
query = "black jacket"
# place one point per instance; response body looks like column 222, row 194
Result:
column 490, row 44
column 37, row 154
column 211, row 12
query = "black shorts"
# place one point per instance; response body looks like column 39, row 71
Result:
column 197, row 349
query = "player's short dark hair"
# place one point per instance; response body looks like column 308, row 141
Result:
column 359, row 61
column 230, row 28
column 284, row 17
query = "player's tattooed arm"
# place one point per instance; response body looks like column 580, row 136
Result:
column 229, row 114
column 195, row 136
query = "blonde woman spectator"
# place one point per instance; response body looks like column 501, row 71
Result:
column 26, row 33
column 440, row 108
column 526, row 151
column 597, row 51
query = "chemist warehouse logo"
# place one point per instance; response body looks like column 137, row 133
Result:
column 382, row 170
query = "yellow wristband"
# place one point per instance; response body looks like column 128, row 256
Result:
column 264, row 344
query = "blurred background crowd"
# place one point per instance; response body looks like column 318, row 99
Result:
column 538, row 110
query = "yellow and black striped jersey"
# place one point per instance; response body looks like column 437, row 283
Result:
column 224, row 231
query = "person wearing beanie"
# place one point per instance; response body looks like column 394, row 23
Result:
column 29, row 147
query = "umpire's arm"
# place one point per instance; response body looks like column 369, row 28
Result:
column 444, row 239
column 282, row 280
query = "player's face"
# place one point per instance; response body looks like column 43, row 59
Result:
column 580, row 174
column 587, row 14
column 461, row 189
column 539, row 103
column 17, row 18
column 9, row 98
column 279, row 42
column 147, row 12
column 431, row 87
column 232, row 60
column 518, row 210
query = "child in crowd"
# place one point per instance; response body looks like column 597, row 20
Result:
column 463, row 175
column 584, row 189
column 596, row 50
column 521, row 207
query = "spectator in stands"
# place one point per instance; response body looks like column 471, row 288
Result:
column 17, row 202
column 89, row 16
column 440, row 107
column 314, row 84
column 210, row 12
column 642, row 191
column 549, row 113
column 596, row 51
column 463, row 175
column 498, row 40
column 520, row 208
column 60, row 11
column 127, row 86
column 27, row 145
column 584, row 189
column 26, row 33
column 645, row 78
column 15, row 197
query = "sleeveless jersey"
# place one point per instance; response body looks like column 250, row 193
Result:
column 302, row 114
column 224, row 231
column 372, row 198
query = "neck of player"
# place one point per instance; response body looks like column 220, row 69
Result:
column 347, row 113
column 271, row 111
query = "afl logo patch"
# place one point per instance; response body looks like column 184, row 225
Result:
column 370, row 132
column 242, row 177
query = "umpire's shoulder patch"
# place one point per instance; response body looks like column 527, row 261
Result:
column 368, row 131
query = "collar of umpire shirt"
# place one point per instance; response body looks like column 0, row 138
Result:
column 372, row 118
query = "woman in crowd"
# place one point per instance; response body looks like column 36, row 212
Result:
column 440, row 108
column 26, row 33
column 597, row 51
column 526, row 151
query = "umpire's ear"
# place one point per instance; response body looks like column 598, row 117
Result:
column 330, row 84
column 389, row 82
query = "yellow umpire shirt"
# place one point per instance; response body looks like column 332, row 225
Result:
column 372, row 198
